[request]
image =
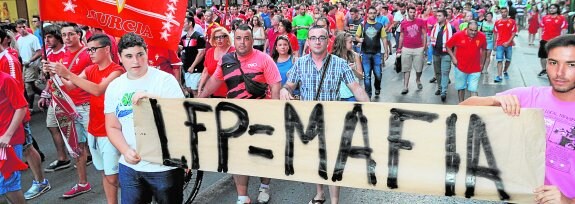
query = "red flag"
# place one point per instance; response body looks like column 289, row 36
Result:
column 11, row 164
column 159, row 22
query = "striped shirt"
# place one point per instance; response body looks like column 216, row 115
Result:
column 304, row 71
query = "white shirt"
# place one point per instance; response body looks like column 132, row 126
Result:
column 27, row 46
column 118, row 100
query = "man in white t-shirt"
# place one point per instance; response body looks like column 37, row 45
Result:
column 139, row 179
column 29, row 49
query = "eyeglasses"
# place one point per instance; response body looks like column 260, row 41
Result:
column 320, row 38
column 221, row 37
column 93, row 49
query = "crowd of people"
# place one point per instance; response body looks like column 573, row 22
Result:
column 325, row 51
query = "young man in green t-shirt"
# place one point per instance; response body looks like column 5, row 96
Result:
column 301, row 24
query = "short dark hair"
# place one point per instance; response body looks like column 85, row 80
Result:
column 442, row 11
column 561, row 41
column 76, row 28
column 411, row 8
column 54, row 30
column 319, row 27
column 21, row 21
column 245, row 27
column 129, row 40
column 3, row 35
column 353, row 10
column 103, row 39
column 287, row 25
column 36, row 16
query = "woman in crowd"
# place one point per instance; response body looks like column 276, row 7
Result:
column 221, row 44
column 283, row 55
column 533, row 20
column 343, row 48
column 285, row 28
column 487, row 28
column 258, row 33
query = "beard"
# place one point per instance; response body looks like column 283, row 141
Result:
column 565, row 89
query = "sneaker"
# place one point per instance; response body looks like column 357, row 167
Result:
column 57, row 165
column 505, row 75
column 37, row 189
column 437, row 92
column 377, row 92
column 77, row 190
column 543, row 72
column 497, row 79
column 428, row 63
column 443, row 98
column 404, row 91
column 433, row 80
column 419, row 86
column 264, row 195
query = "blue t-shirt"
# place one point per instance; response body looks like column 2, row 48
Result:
column 284, row 67
column 38, row 34
column 383, row 20
column 267, row 20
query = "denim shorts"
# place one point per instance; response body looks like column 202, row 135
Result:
column 503, row 52
column 466, row 81
column 81, row 122
column 13, row 182
column 490, row 44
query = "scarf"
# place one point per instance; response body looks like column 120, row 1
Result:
column 65, row 112
column 447, row 33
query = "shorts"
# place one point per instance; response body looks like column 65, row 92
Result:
column 412, row 58
column 28, row 140
column 490, row 45
column 542, row 52
column 104, row 155
column 31, row 72
column 466, row 81
column 81, row 123
column 192, row 80
column 12, row 183
column 51, row 121
column 502, row 52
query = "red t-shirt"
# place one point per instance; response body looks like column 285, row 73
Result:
column 467, row 51
column 412, row 31
column 13, row 52
column 505, row 29
column 78, row 95
column 552, row 26
column 11, row 99
column 163, row 59
column 96, row 126
column 257, row 65
column 9, row 64
column 56, row 56
column 210, row 64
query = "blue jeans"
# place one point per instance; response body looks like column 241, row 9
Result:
column 139, row 187
column 429, row 52
column 371, row 62
column 442, row 66
column 503, row 52
column 301, row 44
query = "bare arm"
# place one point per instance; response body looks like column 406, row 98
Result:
column 400, row 44
column 358, row 92
column 286, row 91
column 203, row 79
column 199, row 57
column 212, row 85
column 509, row 103
column 275, row 90
column 116, row 137
column 91, row 87
column 358, row 71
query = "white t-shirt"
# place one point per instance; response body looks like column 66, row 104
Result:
column 27, row 46
column 398, row 17
column 118, row 100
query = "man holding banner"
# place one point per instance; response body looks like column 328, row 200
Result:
column 255, row 68
column 332, row 71
column 558, row 103
column 139, row 179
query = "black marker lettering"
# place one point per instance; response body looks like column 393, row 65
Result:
column 195, row 127
column 346, row 150
column 452, row 159
column 315, row 127
column 398, row 116
column 261, row 129
column 223, row 134
column 266, row 153
column 160, row 126
column 477, row 138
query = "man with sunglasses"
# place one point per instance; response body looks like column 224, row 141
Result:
column 466, row 50
column 94, row 80
column 76, row 59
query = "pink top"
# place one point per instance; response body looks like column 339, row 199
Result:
column 560, row 124
column 411, row 31
column 430, row 22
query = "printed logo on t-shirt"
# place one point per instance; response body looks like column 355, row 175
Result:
column 560, row 140
column 125, row 107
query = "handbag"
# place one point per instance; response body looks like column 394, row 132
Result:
column 256, row 89
column 324, row 68
column 398, row 64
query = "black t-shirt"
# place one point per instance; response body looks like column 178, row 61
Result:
column 438, row 48
column 192, row 45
